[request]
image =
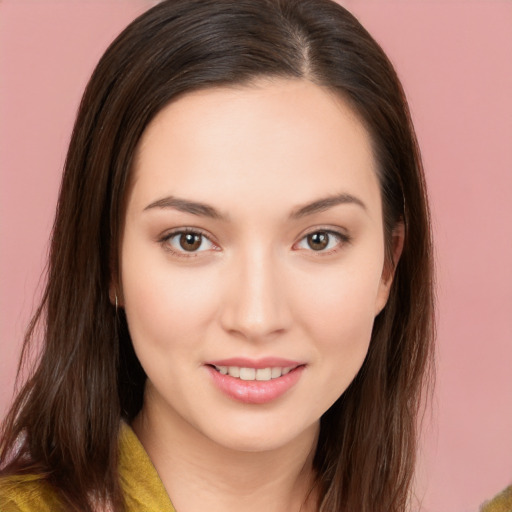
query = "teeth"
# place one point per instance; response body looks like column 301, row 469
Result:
column 253, row 373
column 263, row 374
column 234, row 371
column 276, row 372
column 247, row 373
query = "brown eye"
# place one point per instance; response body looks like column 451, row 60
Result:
column 187, row 243
column 323, row 241
column 318, row 240
column 190, row 241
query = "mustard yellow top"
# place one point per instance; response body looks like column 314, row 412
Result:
column 501, row 503
column 143, row 489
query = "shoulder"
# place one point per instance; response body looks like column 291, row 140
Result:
column 141, row 484
column 26, row 493
column 501, row 503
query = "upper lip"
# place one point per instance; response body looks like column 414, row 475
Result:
column 265, row 362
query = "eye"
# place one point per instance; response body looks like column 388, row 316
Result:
column 322, row 240
column 187, row 241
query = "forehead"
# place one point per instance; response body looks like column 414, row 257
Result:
column 283, row 140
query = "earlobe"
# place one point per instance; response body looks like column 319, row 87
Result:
column 388, row 272
column 115, row 288
column 114, row 295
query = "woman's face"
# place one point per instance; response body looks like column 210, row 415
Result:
column 252, row 260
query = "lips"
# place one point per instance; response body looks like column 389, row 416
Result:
column 264, row 362
column 255, row 381
column 248, row 373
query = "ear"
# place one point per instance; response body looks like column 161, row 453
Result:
column 115, row 290
column 388, row 272
column 115, row 294
column 112, row 293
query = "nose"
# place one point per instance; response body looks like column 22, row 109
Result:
column 255, row 305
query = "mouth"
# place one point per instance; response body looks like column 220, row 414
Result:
column 255, row 382
column 254, row 374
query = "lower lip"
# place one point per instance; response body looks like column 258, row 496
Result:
column 255, row 391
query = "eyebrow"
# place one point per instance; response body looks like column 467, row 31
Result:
column 186, row 206
column 205, row 210
column 325, row 203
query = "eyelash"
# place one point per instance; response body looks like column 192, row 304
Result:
column 165, row 241
column 343, row 239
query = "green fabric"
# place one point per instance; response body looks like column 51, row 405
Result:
column 143, row 489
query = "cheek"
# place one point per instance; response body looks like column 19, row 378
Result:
column 339, row 315
column 340, row 299
column 165, row 306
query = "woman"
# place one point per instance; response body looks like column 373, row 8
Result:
column 239, row 309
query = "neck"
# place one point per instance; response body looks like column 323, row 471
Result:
column 200, row 474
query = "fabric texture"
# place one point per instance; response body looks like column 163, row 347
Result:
column 501, row 503
column 143, row 489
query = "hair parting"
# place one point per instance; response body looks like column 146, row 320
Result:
column 63, row 425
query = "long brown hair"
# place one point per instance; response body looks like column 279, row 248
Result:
column 64, row 422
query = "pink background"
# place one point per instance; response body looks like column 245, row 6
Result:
column 455, row 61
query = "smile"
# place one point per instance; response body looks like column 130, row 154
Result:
column 259, row 374
column 255, row 381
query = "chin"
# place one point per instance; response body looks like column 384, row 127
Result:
column 262, row 437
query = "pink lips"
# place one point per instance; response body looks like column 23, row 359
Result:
column 265, row 362
column 254, row 391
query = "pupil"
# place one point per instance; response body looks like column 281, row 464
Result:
column 190, row 241
column 318, row 240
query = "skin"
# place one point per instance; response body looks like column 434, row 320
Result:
column 254, row 288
